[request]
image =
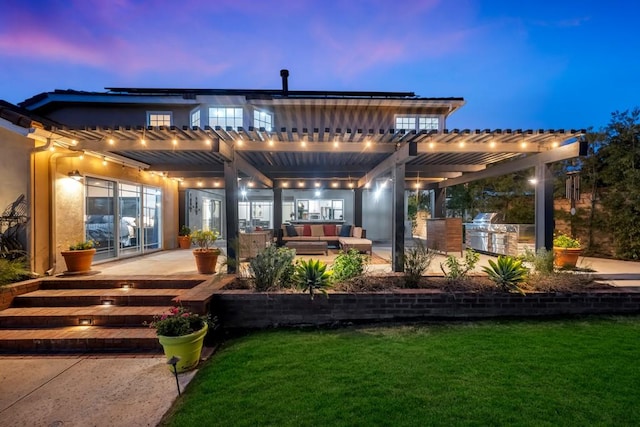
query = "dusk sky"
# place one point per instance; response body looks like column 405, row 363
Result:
column 518, row 64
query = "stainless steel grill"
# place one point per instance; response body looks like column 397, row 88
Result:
column 488, row 234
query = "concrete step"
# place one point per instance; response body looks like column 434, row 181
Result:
column 79, row 339
column 94, row 315
column 100, row 283
column 84, row 297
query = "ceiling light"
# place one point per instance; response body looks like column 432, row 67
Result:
column 335, row 184
column 317, row 184
column 143, row 142
column 300, row 183
column 104, row 161
column 111, row 141
column 175, row 141
column 285, row 184
column 207, row 141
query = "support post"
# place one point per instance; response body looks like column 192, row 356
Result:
column 438, row 196
column 231, row 202
column 397, row 234
column 277, row 210
column 357, row 206
column 544, row 207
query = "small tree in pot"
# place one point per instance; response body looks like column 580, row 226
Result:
column 184, row 237
column 566, row 251
column 79, row 257
column 206, row 254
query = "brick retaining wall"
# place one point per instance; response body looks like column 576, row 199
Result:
column 246, row 309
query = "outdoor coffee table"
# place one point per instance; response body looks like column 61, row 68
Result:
column 308, row 247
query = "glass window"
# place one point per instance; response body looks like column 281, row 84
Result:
column 151, row 217
column 224, row 117
column 417, row 123
column 159, row 118
column 195, row 118
column 100, row 219
column 262, row 119
column 122, row 218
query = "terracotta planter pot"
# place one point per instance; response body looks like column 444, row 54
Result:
column 566, row 257
column 184, row 242
column 186, row 347
column 206, row 260
column 78, row 261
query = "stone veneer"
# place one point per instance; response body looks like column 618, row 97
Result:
column 247, row 309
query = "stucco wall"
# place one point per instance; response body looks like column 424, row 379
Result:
column 14, row 173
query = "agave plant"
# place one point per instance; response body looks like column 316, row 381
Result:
column 312, row 276
column 507, row 273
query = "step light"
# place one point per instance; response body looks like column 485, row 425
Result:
column 108, row 302
column 85, row 322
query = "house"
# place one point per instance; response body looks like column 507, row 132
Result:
column 126, row 167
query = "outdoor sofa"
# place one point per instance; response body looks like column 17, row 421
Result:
column 338, row 235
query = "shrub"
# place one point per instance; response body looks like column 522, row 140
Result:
column 457, row 271
column 542, row 260
column 271, row 268
column 564, row 241
column 348, row 265
column 184, row 231
column 416, row 261
column 82, row 246
column 13, row 270
column 507, row 273
column 312, row 276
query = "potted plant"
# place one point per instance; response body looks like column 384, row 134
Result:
column 206, row 254
column 181, row 333
column 184, row 237
column 566, row 251
column 79, row 257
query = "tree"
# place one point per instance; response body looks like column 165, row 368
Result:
column 615, row 170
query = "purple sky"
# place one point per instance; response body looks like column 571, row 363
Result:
column 519, row 64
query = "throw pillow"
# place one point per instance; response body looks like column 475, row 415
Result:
column 329, row 229
column 357, row 232
column 306, row 230
column 291, row 231
column 345, row 231
column 316, row 230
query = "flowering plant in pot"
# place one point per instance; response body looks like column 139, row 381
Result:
column 181, row 333
column 206, row 254
column 79, row 256
column 184, row 237
column 566, row 251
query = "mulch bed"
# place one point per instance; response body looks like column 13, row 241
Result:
column 559, row 282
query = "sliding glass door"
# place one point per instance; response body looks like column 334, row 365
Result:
column 122, row 218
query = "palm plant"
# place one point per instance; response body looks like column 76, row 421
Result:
column 507, row 273
column 312, row 276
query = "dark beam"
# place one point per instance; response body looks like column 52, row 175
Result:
column 231, row 212
column 401, row 156
column 397, row 234
column 246, row 167
column 555, row 155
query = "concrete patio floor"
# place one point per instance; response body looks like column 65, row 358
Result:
column 137, row 390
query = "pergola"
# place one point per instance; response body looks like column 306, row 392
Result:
column 337, row 158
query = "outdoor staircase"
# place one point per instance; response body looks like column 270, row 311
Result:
column 92, row 315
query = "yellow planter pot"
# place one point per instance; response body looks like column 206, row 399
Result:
column 186, row 347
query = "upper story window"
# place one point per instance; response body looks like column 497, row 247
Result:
column 417, row 123
column 224, row 117
column 159, row 118
column 262, row 120
column 195, row 118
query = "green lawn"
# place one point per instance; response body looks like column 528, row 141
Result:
column 527, row 373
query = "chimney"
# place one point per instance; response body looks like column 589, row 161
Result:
column 285, row 83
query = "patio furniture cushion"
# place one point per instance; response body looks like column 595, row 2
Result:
column 317, row 230
column 357, row 232
column 329, row 229
column 291, row 231
column 345, row 230
column 306, row 230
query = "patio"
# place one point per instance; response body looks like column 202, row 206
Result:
column 180, row 262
